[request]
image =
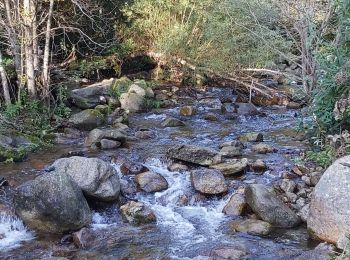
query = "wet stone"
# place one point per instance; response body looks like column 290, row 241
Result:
column 151, row 182
column 138, row 213
column 251, row 226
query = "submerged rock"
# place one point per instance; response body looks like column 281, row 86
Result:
column 187, row 111
column 263, row 148
column 230, row 151
column 259, row 166
column 87, row 119
column 172, row 122
column 194, row 154
column 84, row 238
column 208, row 181
column 246, row 109
column 96, row 178
column 251, row 137
column 270, row 208
column 52, row 203
column 177, row 167
column 227, row 253
column 252, row 226
column 138, row 213
column 131, row 168
column 329, row 215
column 151, row 181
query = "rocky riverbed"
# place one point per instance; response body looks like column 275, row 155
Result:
column 205, row 178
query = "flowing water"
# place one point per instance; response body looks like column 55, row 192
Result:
column 183, row 231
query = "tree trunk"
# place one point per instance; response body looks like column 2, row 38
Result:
column 28, row 33
column 13, row 38
column 46, row 74
column 4, row 82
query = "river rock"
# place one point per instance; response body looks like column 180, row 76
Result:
column 145, row 134
column 234, row 143
column 87, row 119
column 151, row 182
column 109, row 144
column 194, row 154
column 172, row 122
column 288, row 185
column 210, row 117
column 95, row 136
column 89, row 97
column 187, row 111
column 269, row 208
column 138, row 213
column 208, row 181
column 131, row 102
column 96, row 178
column 259, row 166
column 293, row 105
column 132, row 168
column 263, row 148
column 177, row 167
column 134, row 88
column 128, row 187
column 52, row 203
column 231, row 167
column 329, row 216
column 230, row 151
column 252, row 226
column 246, row 109
column 236, row 206
column 84, row 238
column 251, row 137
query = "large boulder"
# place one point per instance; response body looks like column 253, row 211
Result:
column 96, row 178
column 329, row 213
column 151, row 181
column 95, row 136
column 208, row 181
column 52, row 203
column 194, row 154
column 269, row 207
column 133, row 100
column 138, row 213
column 90, row 96
column 87, row 119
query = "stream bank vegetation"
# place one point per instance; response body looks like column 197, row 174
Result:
column 49, row 47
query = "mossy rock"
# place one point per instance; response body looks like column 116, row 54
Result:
column 13, row 154
column 87, row 120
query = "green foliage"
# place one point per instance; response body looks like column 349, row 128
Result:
column 324, row 157
column 150, row 103
column 218, row 35
column 62, row 110
column 333, row 61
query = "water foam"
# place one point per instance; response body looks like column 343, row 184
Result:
column 12, row 232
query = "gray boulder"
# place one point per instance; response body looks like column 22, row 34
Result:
column 96, row 178
column 194, row 154
column 269, row 208
column 329, row 214
column 151, row 181
column 208, row 181
column 97, row 135
column 52, row 203
column 90, row 96
column 87, row 119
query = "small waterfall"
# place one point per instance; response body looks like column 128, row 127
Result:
column 12, row 232
column 188, row 225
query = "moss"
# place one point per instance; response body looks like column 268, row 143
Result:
column 13, row 155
